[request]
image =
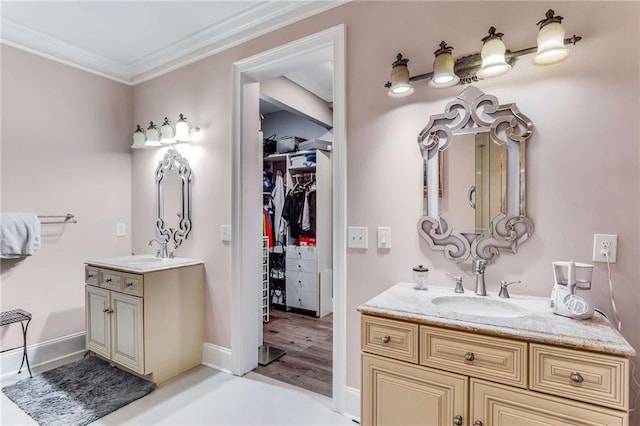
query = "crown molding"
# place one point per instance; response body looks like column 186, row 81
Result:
column 245, row 26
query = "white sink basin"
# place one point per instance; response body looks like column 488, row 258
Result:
column 135, row 261
column 479, row 306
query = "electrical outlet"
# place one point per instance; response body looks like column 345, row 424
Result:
column 357, row 237
column 225, row 232
column 605, row 243
column 121, row 229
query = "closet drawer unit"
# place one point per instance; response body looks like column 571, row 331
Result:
column 299, row 265
column 302, row 252
column 302, row 280
column 390, row 338
column 584, row 376
column 492, row 358
column 133, row 284
column 110, row 280
column 91, row 275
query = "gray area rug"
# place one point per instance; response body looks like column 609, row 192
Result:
column 78, row 393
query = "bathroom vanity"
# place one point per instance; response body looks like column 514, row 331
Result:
column 146, row 313
column 439, row 358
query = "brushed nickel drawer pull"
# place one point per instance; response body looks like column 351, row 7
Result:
column 576, row 377
column 477, row 423
column 457, row 420
column 106, row 310
column 386, row 339
column 108, row 280
column 469, row 356
column 91, row 276
column 130, row 284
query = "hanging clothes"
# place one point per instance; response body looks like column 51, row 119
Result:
column 277, row 200
column 266, row 228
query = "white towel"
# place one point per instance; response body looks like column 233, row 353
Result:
column 19, row 235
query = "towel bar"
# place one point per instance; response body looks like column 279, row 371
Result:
column 65, row 218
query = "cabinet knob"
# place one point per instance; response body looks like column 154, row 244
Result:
column 469, row 356
column 106, row 310
column 386, row 339
column 477, row 423
column 92, row 276
column 457, row 420
column 108, row 280
column 129, row 284
column 576, row 377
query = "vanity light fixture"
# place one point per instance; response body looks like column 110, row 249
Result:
column 184, row 129
column 153, row 135
column 166, row 134
column 139, row 137
column 493, row 60
column 443, row 73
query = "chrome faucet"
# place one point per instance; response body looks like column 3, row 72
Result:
column 503, row 288
column 164, row 249
column 479, row 265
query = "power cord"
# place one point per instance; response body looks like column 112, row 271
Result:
column 618, row 324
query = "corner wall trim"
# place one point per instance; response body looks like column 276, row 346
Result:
column 217, row 357
column 41, row 354
column 352, row 403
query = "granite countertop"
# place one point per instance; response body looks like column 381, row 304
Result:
column 140, row 264
column 537, row 324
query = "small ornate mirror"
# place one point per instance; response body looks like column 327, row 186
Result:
column 474, row 178
column 173, row 180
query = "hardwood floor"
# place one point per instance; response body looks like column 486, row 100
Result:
column 308, row 341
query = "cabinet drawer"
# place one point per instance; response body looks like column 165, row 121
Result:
column 302, row 280
column 302, row 300
column 300, row 265
column 302, row 252
column 110, row 279
column 91, row 275
column 390, row 338
column 583, row 376
column 133, row 284
column 492, row 358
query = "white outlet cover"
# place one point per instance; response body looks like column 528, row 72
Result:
column 357, row 237
column 225, row 232
column 599, row 241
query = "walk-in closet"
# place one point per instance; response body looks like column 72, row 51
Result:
column 297, row 287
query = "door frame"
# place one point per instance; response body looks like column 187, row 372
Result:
column 246, row 193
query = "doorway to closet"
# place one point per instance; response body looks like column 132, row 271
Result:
column 297, row 289
column 247, row 229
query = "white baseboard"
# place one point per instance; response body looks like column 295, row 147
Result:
column 41, row 354
column 217, row 357
column 352, row 403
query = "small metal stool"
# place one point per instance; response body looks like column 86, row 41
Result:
column 18, row 315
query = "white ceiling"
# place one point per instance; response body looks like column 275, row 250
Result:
column 132, row 41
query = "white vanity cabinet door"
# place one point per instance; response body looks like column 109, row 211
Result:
column 98, row 305
column 127, row 331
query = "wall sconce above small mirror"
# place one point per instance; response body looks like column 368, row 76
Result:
column 173, row 181
column 474, row 178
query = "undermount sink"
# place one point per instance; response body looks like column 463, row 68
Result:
column 478, row 306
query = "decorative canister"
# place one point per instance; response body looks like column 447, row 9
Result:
column 420, row 277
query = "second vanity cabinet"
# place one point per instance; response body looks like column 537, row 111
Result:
column 151, row 323
column 417, row 373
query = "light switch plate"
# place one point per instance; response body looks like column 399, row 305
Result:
column 384, row 237
column 121, row 229
column 225, row 232
column 357, row 237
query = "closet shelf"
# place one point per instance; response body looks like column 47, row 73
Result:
column 304, row 169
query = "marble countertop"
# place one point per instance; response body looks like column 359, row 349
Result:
column 140, row 264
column 537, row 323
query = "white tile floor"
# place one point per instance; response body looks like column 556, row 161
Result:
column 204, row 396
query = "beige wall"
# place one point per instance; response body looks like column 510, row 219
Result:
column 65, row 149
column 583, row 158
